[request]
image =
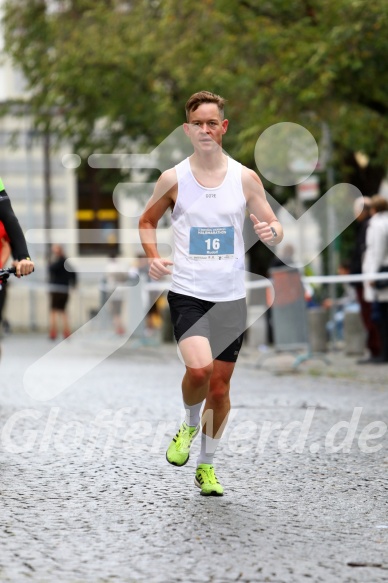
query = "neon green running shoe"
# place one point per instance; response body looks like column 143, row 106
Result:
column 206, row 479
column 179, row 449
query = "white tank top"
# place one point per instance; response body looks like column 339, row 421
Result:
column 209, row 255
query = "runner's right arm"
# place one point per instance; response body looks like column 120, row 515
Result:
column 161, row 200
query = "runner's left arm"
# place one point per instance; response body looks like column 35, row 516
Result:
column 265, row 222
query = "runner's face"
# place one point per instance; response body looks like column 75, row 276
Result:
column 205, row 127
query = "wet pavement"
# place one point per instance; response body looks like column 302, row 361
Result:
column 87, row 495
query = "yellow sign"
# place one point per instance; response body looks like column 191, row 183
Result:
column 100, row 215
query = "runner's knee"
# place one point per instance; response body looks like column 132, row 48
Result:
column 218, row 392
column 200, row 376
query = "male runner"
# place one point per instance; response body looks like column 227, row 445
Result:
column 23, row 264
column 208, row 194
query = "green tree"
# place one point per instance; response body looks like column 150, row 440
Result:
column 111, row 75
column 126, row 69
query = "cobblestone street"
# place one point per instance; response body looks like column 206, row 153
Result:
column 86, row 493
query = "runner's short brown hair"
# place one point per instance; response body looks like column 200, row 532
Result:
column 204, row 97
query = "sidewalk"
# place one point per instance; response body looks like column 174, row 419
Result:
column 331, row 364
column 86, row 494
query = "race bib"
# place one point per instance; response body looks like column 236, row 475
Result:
column 211, row 242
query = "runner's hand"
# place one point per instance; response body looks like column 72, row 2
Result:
column 24, row 267
column 158, row 268
column 262, row 230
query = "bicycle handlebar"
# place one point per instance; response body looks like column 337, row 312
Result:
column 5, row 273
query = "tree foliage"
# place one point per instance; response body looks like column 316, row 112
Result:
column 127, row 68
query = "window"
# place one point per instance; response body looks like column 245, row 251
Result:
column 97, row 217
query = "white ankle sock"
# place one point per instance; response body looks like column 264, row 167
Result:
column 208, row 449
column 192, row 418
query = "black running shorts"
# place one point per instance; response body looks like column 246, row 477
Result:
column 222, row 323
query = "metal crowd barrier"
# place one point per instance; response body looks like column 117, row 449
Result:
column 289, row 306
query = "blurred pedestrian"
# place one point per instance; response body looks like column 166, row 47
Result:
column 362, row 214
column 346, row 302
column 116, row 277
column 60, row 282
column 5, row 252
column 376, row 259
column 155, row 301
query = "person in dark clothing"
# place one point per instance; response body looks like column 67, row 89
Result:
column 60, row 281
column 375, row 260
column 362, row 214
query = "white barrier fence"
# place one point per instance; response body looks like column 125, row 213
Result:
column 27, row 305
